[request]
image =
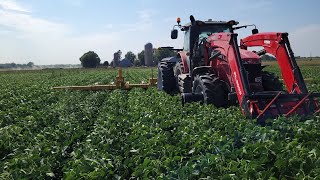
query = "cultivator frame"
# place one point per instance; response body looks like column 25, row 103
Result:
column 119, row 84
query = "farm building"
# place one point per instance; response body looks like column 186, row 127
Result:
column 125, row 63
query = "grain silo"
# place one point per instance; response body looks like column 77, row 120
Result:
column 148, row 54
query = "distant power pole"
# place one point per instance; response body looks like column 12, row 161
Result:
column 310, row 56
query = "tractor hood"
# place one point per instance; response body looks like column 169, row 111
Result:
column 249, row 57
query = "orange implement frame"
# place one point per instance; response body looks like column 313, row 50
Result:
column 298, row 104
column 119, row 84
column 270, row 103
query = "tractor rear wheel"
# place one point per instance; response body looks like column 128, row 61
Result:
column 166, row 78
column 212, row 89
column 271, row 82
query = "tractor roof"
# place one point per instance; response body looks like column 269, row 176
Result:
column 210, row 22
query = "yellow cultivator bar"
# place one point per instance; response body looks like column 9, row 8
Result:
column 119, row 84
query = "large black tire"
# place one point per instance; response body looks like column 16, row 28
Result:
column 212, row 88
column 184, row 84
column 166, row 78
column 271, row 82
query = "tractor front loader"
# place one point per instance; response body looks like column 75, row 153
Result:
column 212, row 69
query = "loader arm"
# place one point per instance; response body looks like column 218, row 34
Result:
column 227, row 44
column 278, row 45
column 270, row 104
column 266, row 104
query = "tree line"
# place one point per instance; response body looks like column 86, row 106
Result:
column 91, row 59
column 14, row 65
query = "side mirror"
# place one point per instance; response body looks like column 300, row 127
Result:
column 255, row 31
column 174, row 34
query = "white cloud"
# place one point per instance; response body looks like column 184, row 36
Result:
column 29, row 38
column 143, row 23
column 25, row 37
column 13, row 6
column 25, row 23
column 41, row 40
column 305, row 40
column 108, row 26
column 146, row 14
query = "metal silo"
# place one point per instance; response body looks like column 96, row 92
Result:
column 148, row 54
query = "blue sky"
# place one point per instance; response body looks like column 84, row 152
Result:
column 60, row 31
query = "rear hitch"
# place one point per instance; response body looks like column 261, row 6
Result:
column 191, row 97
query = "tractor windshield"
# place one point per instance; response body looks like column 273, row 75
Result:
column 206, row 31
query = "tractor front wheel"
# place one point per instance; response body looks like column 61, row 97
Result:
column 184, row 81
column 212, row 89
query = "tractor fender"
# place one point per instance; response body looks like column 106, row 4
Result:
column 170, row 59
column 184, row 59
column 202, row 70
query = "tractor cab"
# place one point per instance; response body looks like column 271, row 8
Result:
column 202, row 30
column 195, row 34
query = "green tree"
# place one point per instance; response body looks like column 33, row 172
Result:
column 90, row 60
column 30, row 64
column 137, row 63
column 132, row 57
column 13, row 65
column 162, row 53
column 106, row 63
column 141, row 58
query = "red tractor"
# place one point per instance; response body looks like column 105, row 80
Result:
column 214, row 69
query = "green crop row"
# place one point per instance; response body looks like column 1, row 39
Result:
column 161, row 139
column 143, row 134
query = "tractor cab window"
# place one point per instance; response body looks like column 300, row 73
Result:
column 203, row 33
column 186, row 44
column 206, row 31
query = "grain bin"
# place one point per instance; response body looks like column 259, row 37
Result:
column 148, row 54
